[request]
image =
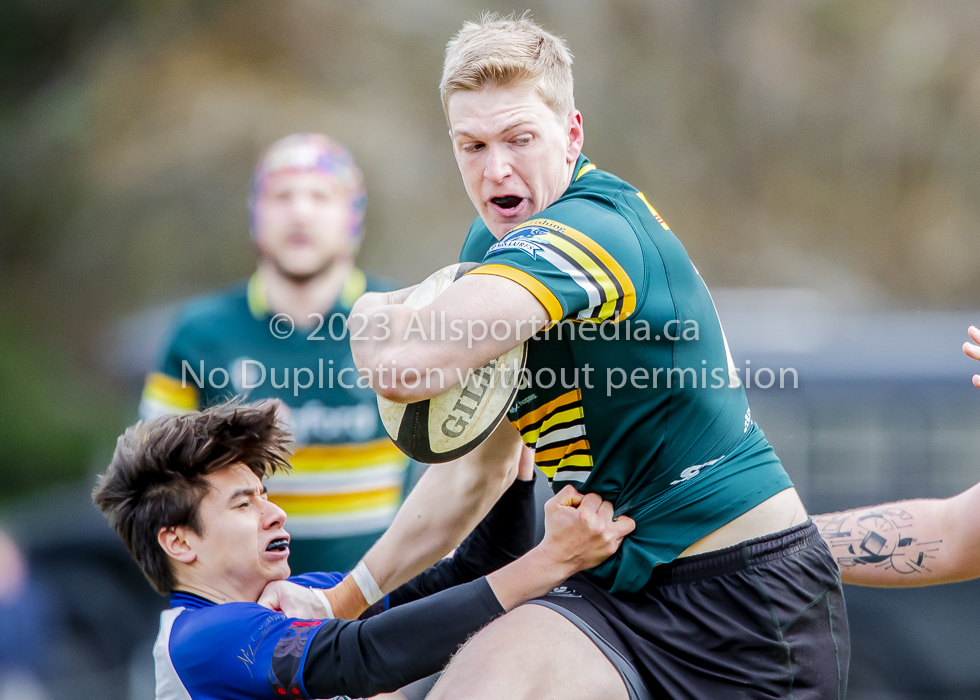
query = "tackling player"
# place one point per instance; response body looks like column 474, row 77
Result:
column 185, row 494
column 725, row 588
column 280, row 335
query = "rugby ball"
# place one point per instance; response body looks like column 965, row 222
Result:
column 447, row 426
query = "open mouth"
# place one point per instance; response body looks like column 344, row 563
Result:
column 508, row 202
column 280, row 544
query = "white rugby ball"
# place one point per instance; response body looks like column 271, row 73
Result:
column 453, row 423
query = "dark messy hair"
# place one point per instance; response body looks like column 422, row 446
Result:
column 156, row 477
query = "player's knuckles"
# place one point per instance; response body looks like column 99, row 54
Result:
column 568, row 496
column 556, row 502
column 587, row 518
column 606, row 511
column 591, row 501
column 269, row 600
column 557, row 509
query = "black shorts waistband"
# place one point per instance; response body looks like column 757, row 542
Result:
column 738, row 557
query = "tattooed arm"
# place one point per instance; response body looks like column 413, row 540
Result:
column 911, row 543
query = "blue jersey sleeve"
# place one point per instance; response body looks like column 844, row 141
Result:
column 318, row 579
column 240, row 651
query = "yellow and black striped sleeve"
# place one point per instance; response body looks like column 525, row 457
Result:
column 163, row 394
column 573, row 275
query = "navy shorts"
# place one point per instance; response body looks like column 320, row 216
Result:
column 762, row 619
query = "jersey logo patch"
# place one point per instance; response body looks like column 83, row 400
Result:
column 692, row 472
column 563, row 592
column 609, row 292
column 286, row 671
column 529, row 240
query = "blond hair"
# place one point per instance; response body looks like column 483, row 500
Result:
column 497, row 51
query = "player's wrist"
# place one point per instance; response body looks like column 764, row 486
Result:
column 346, row 600
column 366, row 584
column 551, row 567
column 326, row 611
column 530, row 576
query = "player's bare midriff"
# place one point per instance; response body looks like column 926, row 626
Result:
column 782, row 511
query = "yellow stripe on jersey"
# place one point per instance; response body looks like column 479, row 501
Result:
column 587, row 168
column 354, row 288
column 579, row 460
column 547, row 298
column 557, row 452
column 629, row 291
column 564, row 411
column 583, row 461
column 344, row 483
column 328, row 503
column 257, row 304
column 584, row 252
column 573, row 413
column 653, row 211
column 320, row 458
column 176, row 396
column 586, row 263
column 548, row 471
column 540, row 412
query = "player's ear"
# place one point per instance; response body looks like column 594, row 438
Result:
column 174, row 542
column 576, row 135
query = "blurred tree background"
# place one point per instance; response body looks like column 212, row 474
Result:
column 831, row 144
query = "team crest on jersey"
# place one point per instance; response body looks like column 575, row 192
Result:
column 286, row 670
column 530, row 240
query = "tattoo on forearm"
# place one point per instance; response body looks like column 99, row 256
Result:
column 880, row 538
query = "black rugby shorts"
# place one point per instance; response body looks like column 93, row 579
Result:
column 762, row 619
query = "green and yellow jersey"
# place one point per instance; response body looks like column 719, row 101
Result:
column 348, row 477
column 631, row 392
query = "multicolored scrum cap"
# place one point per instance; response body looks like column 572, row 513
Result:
column 303, row 152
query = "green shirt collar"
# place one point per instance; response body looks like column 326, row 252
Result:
column 354, row 286
column 582, row 166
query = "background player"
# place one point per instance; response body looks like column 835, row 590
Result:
column 185, row 493
column 306, row 209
